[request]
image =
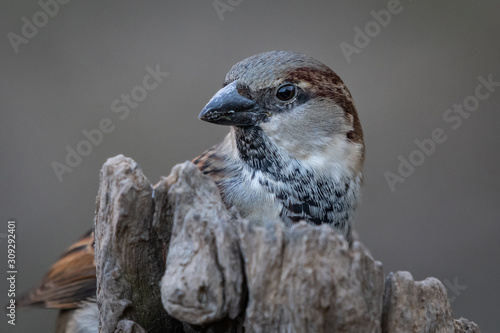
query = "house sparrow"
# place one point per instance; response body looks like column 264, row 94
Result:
column 294, row 152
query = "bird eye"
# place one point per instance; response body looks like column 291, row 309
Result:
column 286, row 92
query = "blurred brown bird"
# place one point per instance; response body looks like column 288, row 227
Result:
column 295, row 152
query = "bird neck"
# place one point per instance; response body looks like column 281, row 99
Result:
column 301, row 192
column 257, row 150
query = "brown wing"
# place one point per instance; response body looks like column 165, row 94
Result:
column 69, row 281
column 212, row 162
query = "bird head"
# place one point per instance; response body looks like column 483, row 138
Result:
column 297, row 102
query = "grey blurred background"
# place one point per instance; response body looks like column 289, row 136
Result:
column 442, row 221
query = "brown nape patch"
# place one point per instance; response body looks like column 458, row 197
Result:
column 356, row 134
column 315, row 76
column 327, row 84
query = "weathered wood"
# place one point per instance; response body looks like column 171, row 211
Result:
column 463, row 325
column 128, row 326
column 223, row 274
column 127, row 250
column 312, row 283
column 419, row 306
column 203, row 281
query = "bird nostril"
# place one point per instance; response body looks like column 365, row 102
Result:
column 244, row 91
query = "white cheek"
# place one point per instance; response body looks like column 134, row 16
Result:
column 272, row 127
column 328, row 155
column 285, row 135
column 339, row 157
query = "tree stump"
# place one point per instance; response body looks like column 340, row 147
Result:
column 175, row 259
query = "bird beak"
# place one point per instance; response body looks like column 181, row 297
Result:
column 228, row 107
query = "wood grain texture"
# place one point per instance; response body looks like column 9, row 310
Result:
column 419, row 306
column 310, row 282
column 128, row 252
column 220, row 273
column 203, row 281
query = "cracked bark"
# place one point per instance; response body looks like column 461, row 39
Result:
column 128, row 252
column 182, row 251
